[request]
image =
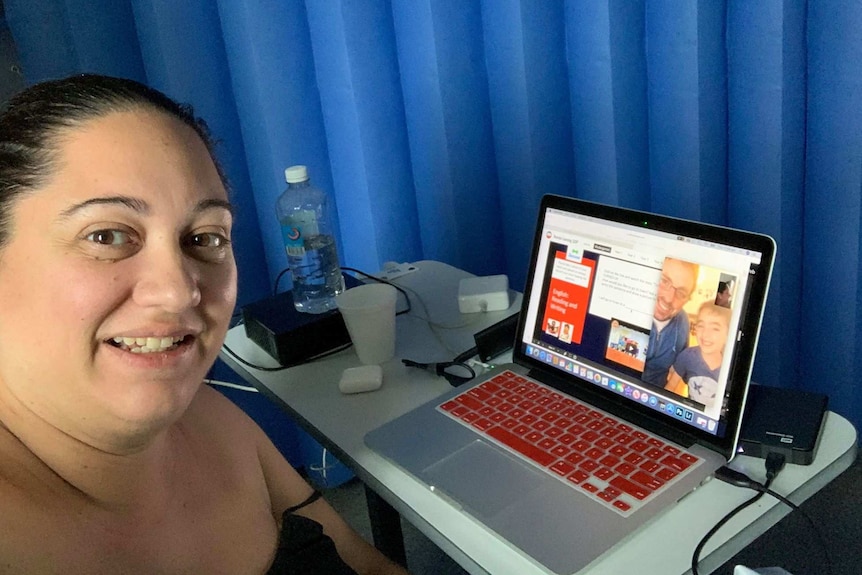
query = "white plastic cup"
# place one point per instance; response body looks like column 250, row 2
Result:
column 369, row 314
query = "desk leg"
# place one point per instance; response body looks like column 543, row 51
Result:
column 386, row 527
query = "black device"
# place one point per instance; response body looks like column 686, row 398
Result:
column 785, row 421
column 290, row 336
column 495, row 339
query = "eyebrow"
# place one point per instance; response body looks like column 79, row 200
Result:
column 132, row 203
column 141, row 206
column 209, row 204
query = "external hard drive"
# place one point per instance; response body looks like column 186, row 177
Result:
column 786, row 421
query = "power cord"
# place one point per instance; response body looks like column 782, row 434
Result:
column 456, row 372
column 247, row 363
column 447, row 369
column 465, row 355
column 384, row 281
column 774, row 464
column 322, row 471
column 434, row 326
column 238, row 316
column 228, row 384
column 278, row 279
column 354, row 270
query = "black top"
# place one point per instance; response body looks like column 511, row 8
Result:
column 303, row 548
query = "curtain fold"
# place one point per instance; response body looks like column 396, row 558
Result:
column 363, row 112
column 448, row 122
column 831, row 291
column 530, row 114
column 607, row 77
column 436, row 126
column 273, row 79
column 766, row 159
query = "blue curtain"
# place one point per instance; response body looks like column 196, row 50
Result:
column 436, row 126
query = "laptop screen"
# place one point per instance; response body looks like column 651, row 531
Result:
column 661, row 313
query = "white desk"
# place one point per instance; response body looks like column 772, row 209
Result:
column 663, row 546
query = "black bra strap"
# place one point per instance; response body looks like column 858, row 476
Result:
column 315, row 495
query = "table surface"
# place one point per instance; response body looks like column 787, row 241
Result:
column 435, row 330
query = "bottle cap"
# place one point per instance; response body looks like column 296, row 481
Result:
column 296, row 174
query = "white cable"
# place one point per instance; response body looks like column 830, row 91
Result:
column 322, row 469
column 231, row 385
column 434, row 326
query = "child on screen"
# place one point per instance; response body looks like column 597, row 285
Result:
column 694, row 373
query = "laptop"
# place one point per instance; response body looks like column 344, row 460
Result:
column 631, row 371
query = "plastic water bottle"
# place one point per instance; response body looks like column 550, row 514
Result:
column 303, row 212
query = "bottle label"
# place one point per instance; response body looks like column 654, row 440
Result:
column 296, row 231
column 294, row 244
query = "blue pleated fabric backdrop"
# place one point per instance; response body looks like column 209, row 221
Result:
column 436, row 126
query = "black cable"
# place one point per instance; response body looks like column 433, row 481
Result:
column 321, row 355
column 774, row 464
column 739, row 479
column 763, row 489
column 695, row 558
column 354, row 270
column 465, row 355
column 383, row 281
column 281, row 367
column 278, row 279
column 236, row 356
column 441, row 368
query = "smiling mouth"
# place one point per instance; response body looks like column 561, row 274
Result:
column 149, row 344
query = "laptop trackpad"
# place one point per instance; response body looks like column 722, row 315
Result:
column 482, row 478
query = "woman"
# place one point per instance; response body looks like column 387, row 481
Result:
column 117, row 283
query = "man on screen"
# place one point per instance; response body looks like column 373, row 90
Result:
column 670, row 328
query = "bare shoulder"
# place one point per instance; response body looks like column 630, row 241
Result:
column 212, row 409
column 218, row 418
column 224, row 425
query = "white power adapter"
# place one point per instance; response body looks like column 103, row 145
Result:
column 484, row 293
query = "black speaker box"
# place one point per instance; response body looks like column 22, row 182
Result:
column 290, row 336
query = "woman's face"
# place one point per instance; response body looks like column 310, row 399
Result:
column 119, row 281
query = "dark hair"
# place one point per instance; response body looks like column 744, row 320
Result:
column 722, row 286
column 33, row 121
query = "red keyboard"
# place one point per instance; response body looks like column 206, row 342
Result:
column 586, row 448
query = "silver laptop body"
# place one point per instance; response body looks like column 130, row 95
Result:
column 600, row 270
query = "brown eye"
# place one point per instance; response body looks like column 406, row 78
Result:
column 208, row 240
column 207, row 246
column 108, row 237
